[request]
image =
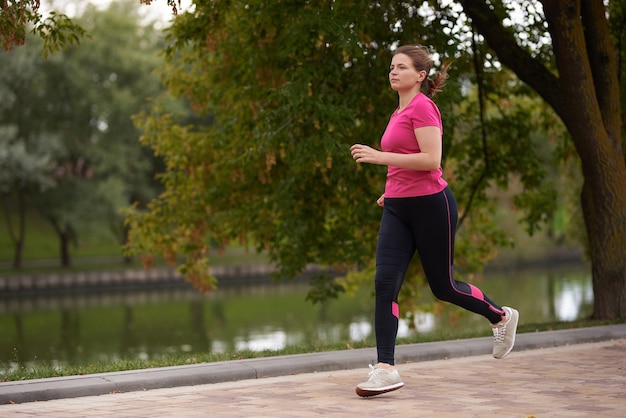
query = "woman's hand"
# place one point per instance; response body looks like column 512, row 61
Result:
column 364, row 154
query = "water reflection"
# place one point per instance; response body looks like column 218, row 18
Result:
column 571, row 298
column 264, row 340
column 424, row 321
column 360, row 330
column 79, row 328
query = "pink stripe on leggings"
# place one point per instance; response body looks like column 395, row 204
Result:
column 477, row 293
column 395, row 309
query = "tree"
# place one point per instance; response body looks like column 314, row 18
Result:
column 291, row 86
column 20, row 172
column 81, row 100
column 26, row 154
column 580, row 80
column 57, row 30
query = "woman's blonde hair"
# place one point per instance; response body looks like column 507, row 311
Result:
column 420, row 57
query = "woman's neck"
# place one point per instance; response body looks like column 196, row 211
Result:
column 404, row 98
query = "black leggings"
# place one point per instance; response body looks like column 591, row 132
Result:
column 426, row 224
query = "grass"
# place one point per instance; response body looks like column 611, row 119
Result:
column 115, row 262
column 96, row 250
column 24, row 373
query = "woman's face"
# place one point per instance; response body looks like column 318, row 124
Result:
column 402, row 73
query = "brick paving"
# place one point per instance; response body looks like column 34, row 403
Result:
column 577, row 380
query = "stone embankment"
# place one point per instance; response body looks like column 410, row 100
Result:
column 80, row 281
column 253, row 273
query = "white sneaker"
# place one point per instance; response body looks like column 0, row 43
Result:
column 380, row 381
column 504, row 333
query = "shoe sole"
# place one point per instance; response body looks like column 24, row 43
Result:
column 516, row 319
column 365, row 393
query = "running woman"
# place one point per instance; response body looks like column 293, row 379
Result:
column 419, row 214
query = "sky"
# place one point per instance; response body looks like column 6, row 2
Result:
column 157, row 10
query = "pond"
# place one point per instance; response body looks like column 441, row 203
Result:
column 59, row 329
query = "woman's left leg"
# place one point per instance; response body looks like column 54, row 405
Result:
column 434, row 232
column 434, row 228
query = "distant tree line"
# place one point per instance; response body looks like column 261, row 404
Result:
column 69, row 149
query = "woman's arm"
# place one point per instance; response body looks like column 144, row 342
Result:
column 428, row 159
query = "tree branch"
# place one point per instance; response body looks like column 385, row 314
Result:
column 502, row 41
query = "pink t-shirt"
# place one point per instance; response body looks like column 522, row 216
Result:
column 399, row 137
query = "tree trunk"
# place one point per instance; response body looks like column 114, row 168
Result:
column 607, row 250
column 18, row 250
column 64, row 233
column 592, row 118
column 16, row 237
column 64, row 241
column 125, row 231
column 19, row 244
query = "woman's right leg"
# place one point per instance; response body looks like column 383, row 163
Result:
column 394, row 250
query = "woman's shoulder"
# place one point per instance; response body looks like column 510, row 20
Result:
column 422, row 100
column 422, row 103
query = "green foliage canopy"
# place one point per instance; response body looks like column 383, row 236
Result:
column 56, row 30
column 291, row 85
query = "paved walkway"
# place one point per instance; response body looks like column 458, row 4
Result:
column 574, row 373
